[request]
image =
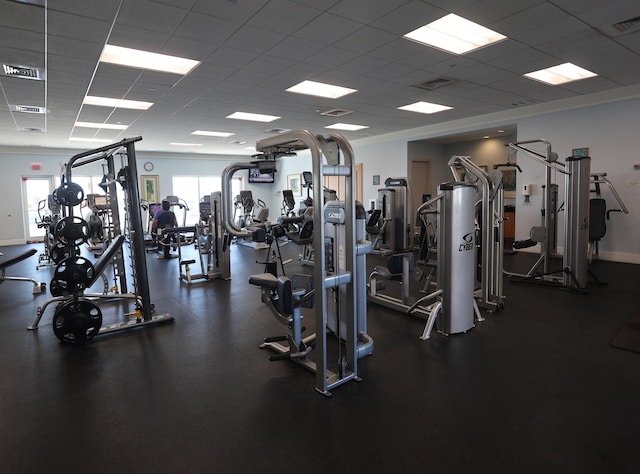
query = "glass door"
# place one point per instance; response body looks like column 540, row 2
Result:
column 34, row 190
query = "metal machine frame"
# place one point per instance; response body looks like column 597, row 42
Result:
column 576, row 171
column 128, row 176
column 490, row 294
column 338, row 161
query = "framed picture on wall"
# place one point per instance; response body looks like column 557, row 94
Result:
column 509, row 182
column 580, row 152
column 376, row 179
column 149, row 188
column 294, row 184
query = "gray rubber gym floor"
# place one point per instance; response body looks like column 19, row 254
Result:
column 535, row 388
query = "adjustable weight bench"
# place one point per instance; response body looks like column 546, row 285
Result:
column 38, row 287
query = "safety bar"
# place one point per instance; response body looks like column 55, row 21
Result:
column 550, row 160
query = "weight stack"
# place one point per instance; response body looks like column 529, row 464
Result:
column 456, row 256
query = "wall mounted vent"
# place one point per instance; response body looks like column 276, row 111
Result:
column 23, row 72
column 336, row 112
column 29, row 109
column 435, row 83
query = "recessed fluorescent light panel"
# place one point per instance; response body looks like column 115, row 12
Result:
column 206, row 133
column 560, row 74
column 454, row 34
column 106, row 126
column 320, row 90
column 347, row 126
column 425, row 107
column 97, row 140
column 116, row 103
column 146, row 60
column 185, row 144
column 252, row 117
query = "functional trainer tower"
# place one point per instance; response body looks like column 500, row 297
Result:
column 576, row 171
column 338, row 161
column 491, row 216
column 456, row 307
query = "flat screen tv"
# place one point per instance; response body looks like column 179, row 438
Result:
column 257, row 176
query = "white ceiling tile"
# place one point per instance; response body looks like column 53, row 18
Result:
column 206, row 28
column 151, row 16
column 254, row 40
column 283, row 16
column 327, row 29
column 355, row 43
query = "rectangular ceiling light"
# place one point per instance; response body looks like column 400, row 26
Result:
column 320, row 90
column 146, row 60
column 425, row 107
column 560, row 74
column 454, row 34
column 116, row 103
column 347, row 126
column 252, row 117
column 107, row 126
column 206, row 133
column 185, row 144
column 97, row 140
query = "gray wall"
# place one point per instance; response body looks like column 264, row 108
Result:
column 607, row 129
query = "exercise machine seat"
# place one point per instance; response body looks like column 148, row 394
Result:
column 304, row 235
column 282, row 286
column 597, row 221
column 393, row 270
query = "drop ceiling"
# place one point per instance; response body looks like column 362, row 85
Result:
column 253, row 50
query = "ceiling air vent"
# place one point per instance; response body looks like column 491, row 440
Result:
column 624, row 27
column 31, row 130
column 627, row 26
column 522, row 103
column 435, row 83
column 23, row 72
column 337, row 112
column 276, row 130
column 29, row 109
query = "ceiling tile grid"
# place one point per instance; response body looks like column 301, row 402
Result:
column 252, row 51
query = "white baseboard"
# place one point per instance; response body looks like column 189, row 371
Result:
column 620, row 257
column 4, row 243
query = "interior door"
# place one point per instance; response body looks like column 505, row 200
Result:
column 34, row 190
column 420, row 181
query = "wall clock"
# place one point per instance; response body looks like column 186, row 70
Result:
column 148, row 166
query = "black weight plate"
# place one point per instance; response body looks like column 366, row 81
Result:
column 72, row 230
column 73, row 274
column 76, row 322
column 60, row 251
column 69, row 194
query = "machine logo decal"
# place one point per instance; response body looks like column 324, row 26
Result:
column 467, row 244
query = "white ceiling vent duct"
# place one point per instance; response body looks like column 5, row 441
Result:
column 23, row 72
column 29, row 109
column 624, row 27
column 336, row 112
column 435, row 83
